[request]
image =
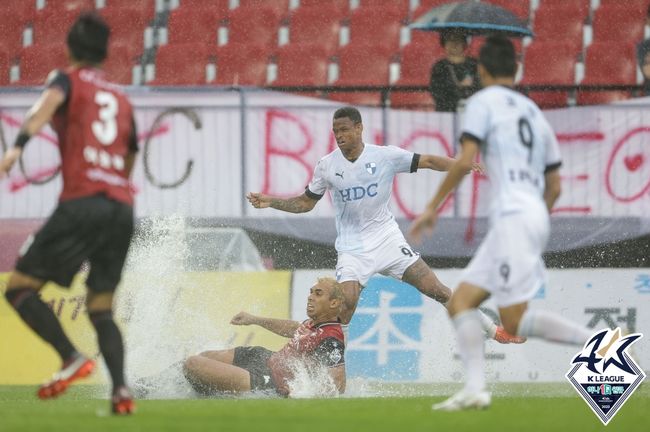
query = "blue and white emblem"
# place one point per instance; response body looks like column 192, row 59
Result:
column 371, row 167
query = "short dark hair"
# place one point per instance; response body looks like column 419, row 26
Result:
column 88, row 38
column 350, row 112
column 498, row 57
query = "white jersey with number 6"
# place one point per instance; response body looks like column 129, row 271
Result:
column 518, row 147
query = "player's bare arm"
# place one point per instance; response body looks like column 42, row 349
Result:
column 338, row 376
column 553, row 188
column 298, row 204
column 443, row 163
column 427, row 220
column 281, row 327
column 129, row 160
column 38, row 116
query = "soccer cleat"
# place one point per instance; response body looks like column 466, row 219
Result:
column 503, row 337
column 465, row 400
column 122, row 401
column 77, row 368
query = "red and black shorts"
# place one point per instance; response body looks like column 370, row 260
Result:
column 96, row 229
column 254, row 360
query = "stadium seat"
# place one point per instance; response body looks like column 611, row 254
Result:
column 608, row 63
column 362, row 65
column 218, row 7
column 253, row 26
column 341, row 8
column 617, row 23
column 14, row 16
column 119, row 63
column 427, row 43
column 582, row 8
column 69, row 5
column 415, row 70
column 189, row 25
column 37, row 61
column 403, row 6
column 315, row 23
column 145, row 8
column 520, row 8
column 377, row 26
column 425, row 6
column 4, row 68
column 634, row 7
column 561, row 23
column 181, row 64
column 280, row 8
column 51, row 24
column 301, row 65
column 242, row 64
column 538, row 70
column 127, row 26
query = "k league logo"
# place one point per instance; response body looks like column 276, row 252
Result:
column 604, row 374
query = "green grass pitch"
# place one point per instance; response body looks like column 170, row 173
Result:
column 515, row 407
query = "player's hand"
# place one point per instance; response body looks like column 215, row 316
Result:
column 478, row 168
column 8, row 161
column 258, row 200
column 242, row 318
column 422, row 226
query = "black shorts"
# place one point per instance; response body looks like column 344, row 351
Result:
column 254, row 360
column 96, row 229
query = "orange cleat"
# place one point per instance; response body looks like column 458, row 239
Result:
column 503, row 337
column 77, row 368
column 122, row 402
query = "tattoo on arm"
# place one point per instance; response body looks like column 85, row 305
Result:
column 291, row 205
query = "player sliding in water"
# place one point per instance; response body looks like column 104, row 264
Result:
column 359, row 177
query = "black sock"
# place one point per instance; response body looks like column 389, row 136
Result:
column 110, row 344
column 41, row 319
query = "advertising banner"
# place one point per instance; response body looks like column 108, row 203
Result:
column 397, row 334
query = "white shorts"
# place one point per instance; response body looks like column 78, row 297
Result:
column 391, row 258
column 509, row 262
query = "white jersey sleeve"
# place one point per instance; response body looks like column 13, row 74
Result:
column 401, row 160
column 318, row 184
column 553, row 157
column 477, row 119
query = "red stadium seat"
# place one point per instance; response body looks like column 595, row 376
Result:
column 189, row 25
column 181, row 64
column 242, row 64
column 361, row 65
column 339, row 7
column 617, row 23
column 218, row 7
column 280, row 8
column 634, row 7
column 4, row 68
column 51, row 25
column 127, row 26
column 119, row 63
column 520, row 8
column 582, row 8
column 558, row 24
column 377, row 26
column 608, row 63
column 415, row 66
column 425, row 6
column 538, row 70
column 11, row 33
column 318, row 23
column 258, row 26
column 37, row 61
column 146, row 8
column 427, row 43
column 301, row 65
column 70, row 5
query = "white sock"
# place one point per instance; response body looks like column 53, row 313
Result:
column 488, row 325
column 470, row 332
column 552, row 327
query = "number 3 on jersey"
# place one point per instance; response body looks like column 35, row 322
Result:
column 105, row 129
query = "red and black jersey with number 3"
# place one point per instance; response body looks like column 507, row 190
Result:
column 321, row 345
column 96, row 131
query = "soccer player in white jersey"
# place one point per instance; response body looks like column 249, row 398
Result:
column 522, row 160
column 359, row 177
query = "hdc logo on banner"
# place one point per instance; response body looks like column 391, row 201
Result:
column 385, row 337
column 604, row 374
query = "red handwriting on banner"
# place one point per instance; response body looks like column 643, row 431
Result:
column 631, row 163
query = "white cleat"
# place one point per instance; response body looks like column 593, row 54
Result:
column 464, row 400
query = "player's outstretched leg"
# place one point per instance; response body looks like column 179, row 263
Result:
column 112, row 348
column 549, row 326
column 420, row 276
column 37, row 315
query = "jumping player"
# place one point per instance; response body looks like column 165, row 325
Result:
column 359, row 177
column 93, row 221
column 522, row 160
column 317, row 342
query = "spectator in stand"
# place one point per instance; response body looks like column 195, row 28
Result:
column 454, row 77
column 643, row 57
